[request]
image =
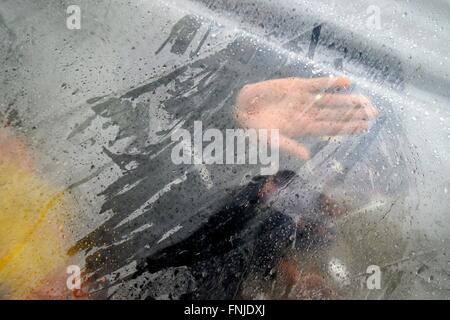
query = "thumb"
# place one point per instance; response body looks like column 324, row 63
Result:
column 295, row 148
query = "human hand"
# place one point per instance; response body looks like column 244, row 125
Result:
column 299, row 107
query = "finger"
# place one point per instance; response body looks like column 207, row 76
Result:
column 295, row 148
column 331, row 207
column 325, row 83
column 344, row 114
column 332, row 128
column 343, row 101
column 289, row 271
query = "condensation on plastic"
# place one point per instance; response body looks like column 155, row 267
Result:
column 98, row 106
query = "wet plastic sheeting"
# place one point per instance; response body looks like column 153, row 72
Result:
column 98, row 107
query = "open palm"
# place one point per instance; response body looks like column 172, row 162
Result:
column 299, row 107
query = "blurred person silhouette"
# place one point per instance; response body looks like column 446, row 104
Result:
column 262, row 252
